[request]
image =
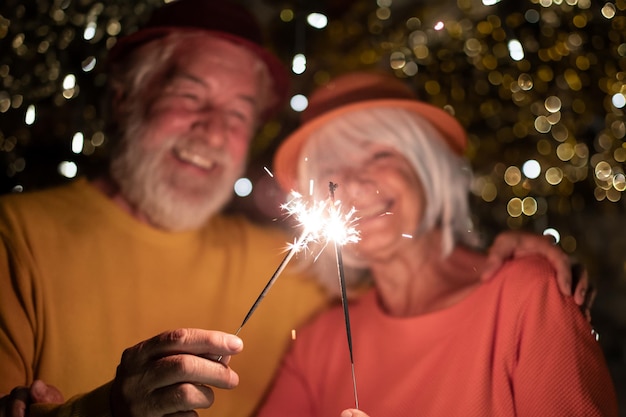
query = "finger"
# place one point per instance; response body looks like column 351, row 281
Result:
column 490, row 267
column 562, row 266
column 580, row 292
column 504, row 244
column 17, row 408
column 182, row 398
column 589, row 299
column 41, row 392
column 17, row 402
column 189, row 368
column 192, row 341
column 502, row 249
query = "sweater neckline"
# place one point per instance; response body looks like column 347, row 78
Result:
column 457, row 313
column 103, row 207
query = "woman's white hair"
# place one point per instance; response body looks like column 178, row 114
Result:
column 444, row 175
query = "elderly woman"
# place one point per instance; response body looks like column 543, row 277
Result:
column 430, row 338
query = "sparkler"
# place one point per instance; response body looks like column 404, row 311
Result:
column 322, row 222
column 344, row 299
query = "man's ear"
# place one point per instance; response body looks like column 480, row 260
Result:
column 118, row 99
column 118, row 94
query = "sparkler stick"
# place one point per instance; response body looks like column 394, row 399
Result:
column 274, row 277
column 344, row 299
column 294, row 248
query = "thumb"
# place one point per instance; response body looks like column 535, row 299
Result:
column 44, row 393
column 492, row 264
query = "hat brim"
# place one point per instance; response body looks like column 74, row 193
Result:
column 275, row 67
column 287, row 156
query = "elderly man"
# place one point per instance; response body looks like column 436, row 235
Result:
column 96, row 266
column 93, row 267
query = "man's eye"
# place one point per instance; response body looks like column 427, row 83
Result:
column 382, row 155
column 188, row 96
column 236, row 116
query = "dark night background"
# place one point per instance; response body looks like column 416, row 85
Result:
column 561, row 105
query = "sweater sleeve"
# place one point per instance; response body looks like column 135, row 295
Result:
column 21, row 337
column 18, row 320
column 560, row 370
column 93, row 404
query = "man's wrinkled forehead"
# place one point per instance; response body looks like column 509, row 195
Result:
column 213, row 49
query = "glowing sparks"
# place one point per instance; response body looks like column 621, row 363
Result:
column 321, row 221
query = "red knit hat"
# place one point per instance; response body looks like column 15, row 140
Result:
column 352, row 92
column 220, row 18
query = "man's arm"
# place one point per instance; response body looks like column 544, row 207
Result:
column 169, row 373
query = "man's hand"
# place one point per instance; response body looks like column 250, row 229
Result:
column 173, row 373
column 509, row 245
column 17, row 402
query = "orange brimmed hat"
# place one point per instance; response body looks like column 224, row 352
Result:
column 220, row 18
column 352, row 92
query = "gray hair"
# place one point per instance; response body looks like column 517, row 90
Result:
column 445, row 176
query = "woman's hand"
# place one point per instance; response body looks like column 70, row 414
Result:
column 353, row 412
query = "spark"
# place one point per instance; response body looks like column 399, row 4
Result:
column 322, row 220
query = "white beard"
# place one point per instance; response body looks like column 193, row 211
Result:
column 169, row 199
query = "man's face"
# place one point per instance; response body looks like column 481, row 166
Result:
column 187, row 143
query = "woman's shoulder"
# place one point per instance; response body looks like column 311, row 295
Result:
column 522, row 270
column 525, row 278
column 530, row 269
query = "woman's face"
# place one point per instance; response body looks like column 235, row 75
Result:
column 382, row 186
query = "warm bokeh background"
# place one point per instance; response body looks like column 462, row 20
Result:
column 537, row 83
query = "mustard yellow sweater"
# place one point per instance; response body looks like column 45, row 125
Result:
column 80, row 281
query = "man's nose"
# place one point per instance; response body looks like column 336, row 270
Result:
column 213, row 126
